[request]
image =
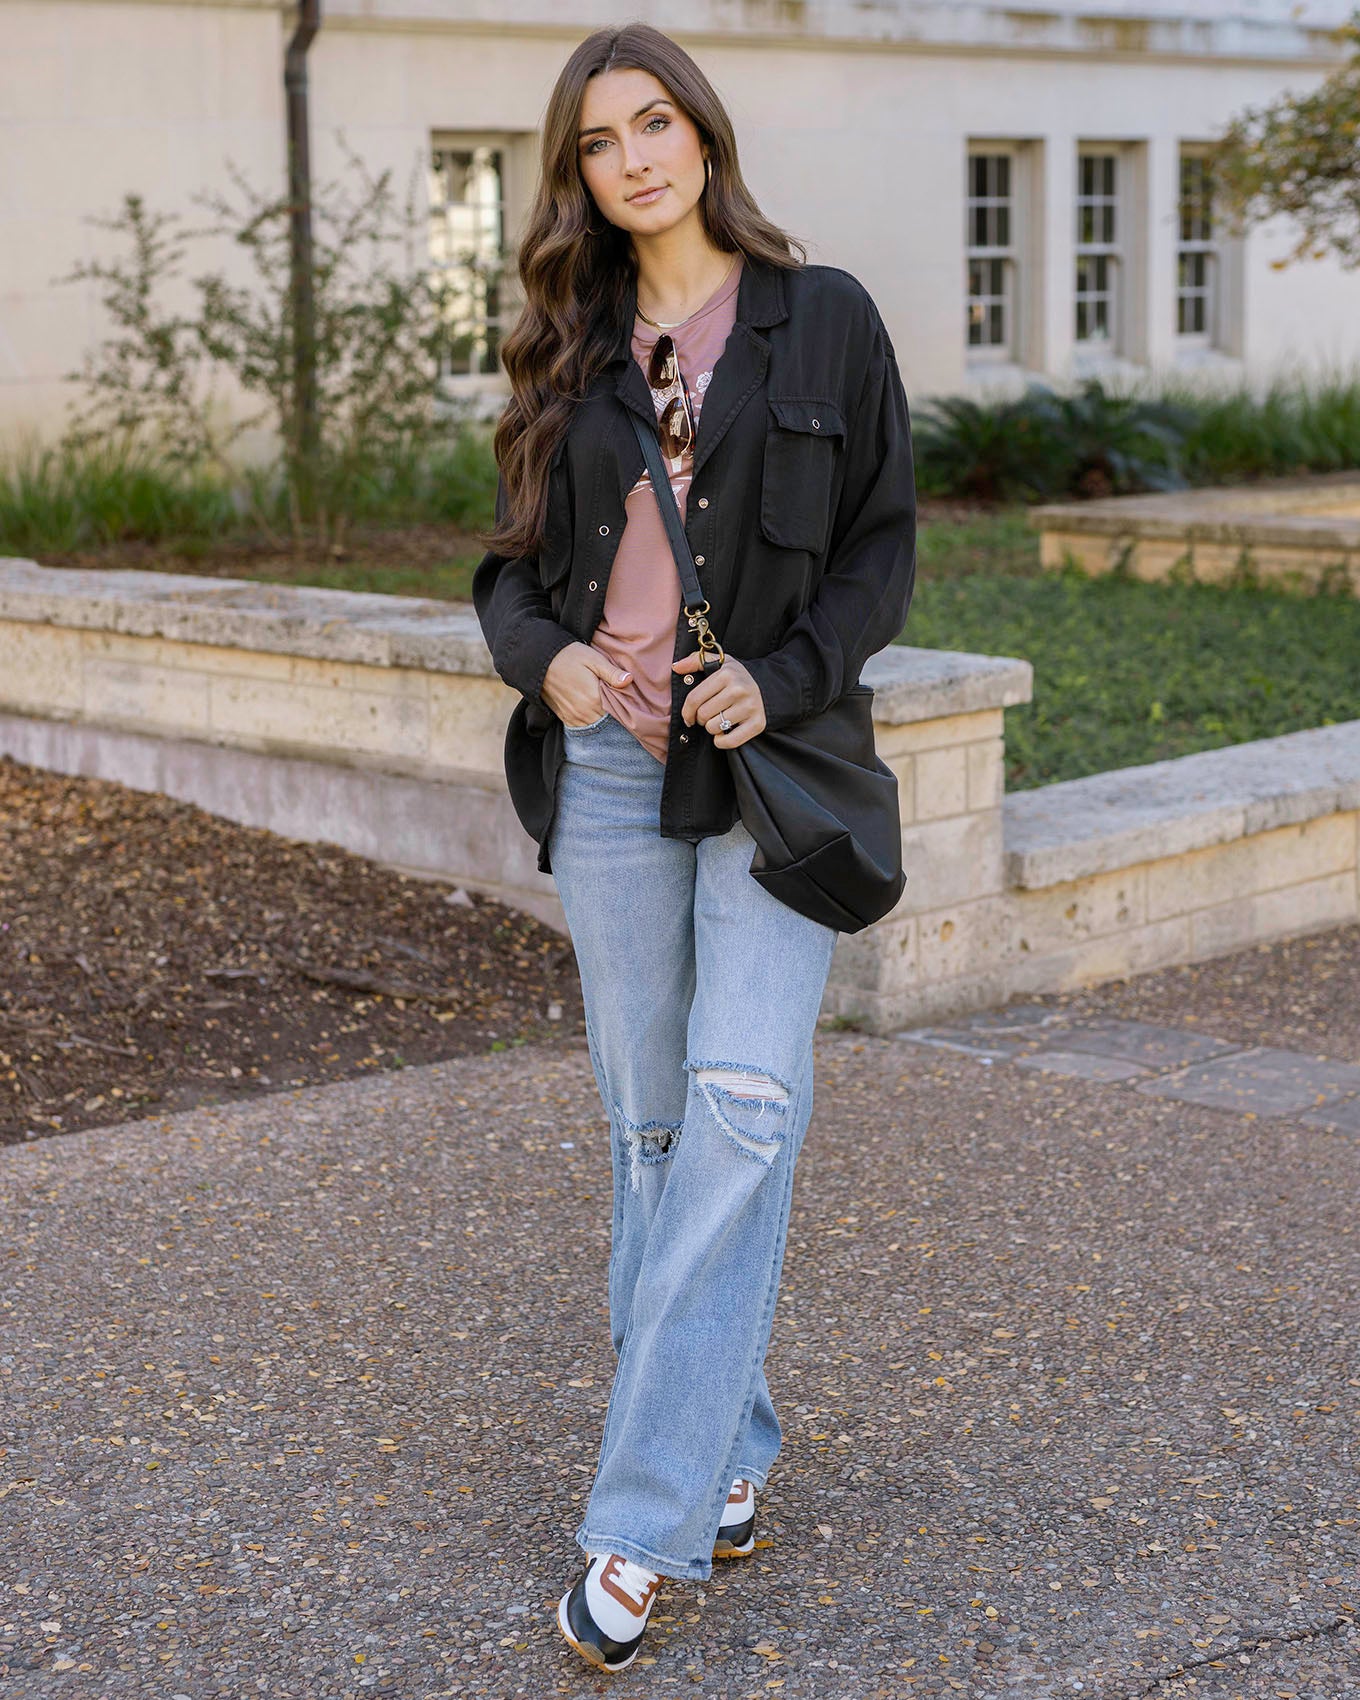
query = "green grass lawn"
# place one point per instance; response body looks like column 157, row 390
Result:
column 1124, row 672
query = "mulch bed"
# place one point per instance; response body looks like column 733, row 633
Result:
column 153, row 956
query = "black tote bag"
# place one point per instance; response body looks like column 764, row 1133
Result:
column 820, row 804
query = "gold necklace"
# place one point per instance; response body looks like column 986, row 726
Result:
column 675, row 324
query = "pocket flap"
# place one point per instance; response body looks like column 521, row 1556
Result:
column 808, row 413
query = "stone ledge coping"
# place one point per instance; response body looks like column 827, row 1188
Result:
column 376, row 630
column 1277, row 511
column 1108, row 821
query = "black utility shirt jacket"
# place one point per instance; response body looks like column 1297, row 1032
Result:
column 801, row 515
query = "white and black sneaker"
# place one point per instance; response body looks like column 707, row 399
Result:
column 605, row 1612
column 737, row 1531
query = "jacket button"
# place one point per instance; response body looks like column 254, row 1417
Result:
column 689, row 678
column 703, row 501
column 684, row 737
column 816, row 424
column 698, row 560
column 593, row 585
column 604, row 531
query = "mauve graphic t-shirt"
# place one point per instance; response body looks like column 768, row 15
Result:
column 642, row 603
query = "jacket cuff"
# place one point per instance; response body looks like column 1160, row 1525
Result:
column 780, row 691
column 535, row 644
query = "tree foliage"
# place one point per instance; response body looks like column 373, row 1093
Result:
column 382, row 319
column 1300, row 157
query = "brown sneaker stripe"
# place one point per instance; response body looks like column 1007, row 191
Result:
column 611, row 1587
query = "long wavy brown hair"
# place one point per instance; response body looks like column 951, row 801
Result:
column 577, row 269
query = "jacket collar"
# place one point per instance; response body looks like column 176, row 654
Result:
column 760, row 303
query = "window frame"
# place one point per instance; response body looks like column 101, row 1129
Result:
column 1007, row 254
column 497, row 254
column 1115, row 251
column 1208, row 245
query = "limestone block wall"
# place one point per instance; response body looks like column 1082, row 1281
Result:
column 1176, row 861
column 377, row 723
column 1297, row 535
column 950, row 786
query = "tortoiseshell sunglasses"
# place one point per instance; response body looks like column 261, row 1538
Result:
column 676, row 424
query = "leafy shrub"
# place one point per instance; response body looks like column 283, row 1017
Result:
column 1045, row 445
column 994, row 451
column 1111, row 444
column 381, row 320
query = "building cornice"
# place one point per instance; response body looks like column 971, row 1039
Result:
column 920, row 27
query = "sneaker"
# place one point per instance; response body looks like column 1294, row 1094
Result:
column 737, row 1531
column 605, row 1612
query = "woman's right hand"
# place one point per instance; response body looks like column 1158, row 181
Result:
column 571, row 686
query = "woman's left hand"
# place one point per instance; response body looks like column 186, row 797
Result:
column 728, row 690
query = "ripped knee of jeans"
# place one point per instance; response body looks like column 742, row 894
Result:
column 648, row 1142
column 750, row 1106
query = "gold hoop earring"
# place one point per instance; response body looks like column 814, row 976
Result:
column 708, row 170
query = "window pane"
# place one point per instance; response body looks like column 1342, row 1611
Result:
column 467, row 249
column 990, row 228
column 1195, row 270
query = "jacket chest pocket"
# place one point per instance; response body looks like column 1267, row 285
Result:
column 801, row 446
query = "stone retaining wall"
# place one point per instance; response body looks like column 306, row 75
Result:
column 1295, row 534
column 376, row 723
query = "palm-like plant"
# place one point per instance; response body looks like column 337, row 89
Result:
column 996, row 451
column 1114, row 444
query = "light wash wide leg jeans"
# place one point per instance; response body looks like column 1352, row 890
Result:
column 701, row 997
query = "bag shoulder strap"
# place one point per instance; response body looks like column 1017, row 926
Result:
column 670, row 514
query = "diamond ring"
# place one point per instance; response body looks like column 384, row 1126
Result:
column 725, row 724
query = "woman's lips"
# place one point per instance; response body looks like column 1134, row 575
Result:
column 646, row 200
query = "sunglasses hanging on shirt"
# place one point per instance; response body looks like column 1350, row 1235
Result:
column 676, row 424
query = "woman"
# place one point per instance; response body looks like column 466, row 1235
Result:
column 654, row 286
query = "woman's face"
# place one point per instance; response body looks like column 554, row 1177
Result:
column 634, row 140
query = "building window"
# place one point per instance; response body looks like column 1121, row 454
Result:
column 1196, row 253
column 1098, row 251
column 467, row 244
column 991, row 255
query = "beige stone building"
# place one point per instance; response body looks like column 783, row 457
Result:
column 1019, row 187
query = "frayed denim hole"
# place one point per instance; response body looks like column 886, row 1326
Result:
column 749, row 1106
column 648, row 1142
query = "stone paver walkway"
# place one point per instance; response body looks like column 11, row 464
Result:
column 1168, row 1062
column 302, row 1397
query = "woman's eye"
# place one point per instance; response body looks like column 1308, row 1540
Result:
column 599, row 141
